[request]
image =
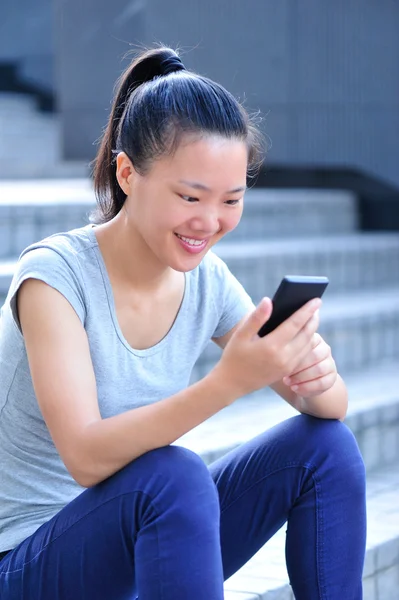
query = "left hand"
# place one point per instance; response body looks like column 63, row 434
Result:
column 316, row 373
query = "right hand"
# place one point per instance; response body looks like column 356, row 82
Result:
column 249, row 362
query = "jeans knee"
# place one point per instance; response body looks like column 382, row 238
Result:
column 182, row 473
column 178, row 461
column 338, row 448
column 186, row 488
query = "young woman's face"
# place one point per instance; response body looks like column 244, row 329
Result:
column 198, row 194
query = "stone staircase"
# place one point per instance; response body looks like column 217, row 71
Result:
column 30, row 141
column 303, row 232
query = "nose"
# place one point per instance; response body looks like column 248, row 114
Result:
column 207, row 221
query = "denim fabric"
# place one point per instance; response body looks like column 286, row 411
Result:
column 167, row 527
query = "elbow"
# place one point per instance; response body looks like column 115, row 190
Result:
column 81, row 476
column 84, row 464
column 85, row 474
column 89, row 471
column 82, row 470
column 85, row 479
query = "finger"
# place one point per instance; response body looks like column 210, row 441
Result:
column 257, row 318
column 298, row 358
column 315, row 356
column 303, row 339
column 321, row 369
column 312, row 357
column 316, row 386
column 288, row 330
column 317, row 339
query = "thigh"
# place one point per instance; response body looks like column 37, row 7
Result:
column 77, row 554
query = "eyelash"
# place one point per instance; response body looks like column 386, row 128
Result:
column 234, row 202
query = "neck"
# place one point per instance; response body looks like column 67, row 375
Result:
column 129, row 259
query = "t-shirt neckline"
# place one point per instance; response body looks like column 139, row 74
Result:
column 110, row 295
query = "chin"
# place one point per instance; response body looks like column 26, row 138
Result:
column 193, row 261
column 193, row 266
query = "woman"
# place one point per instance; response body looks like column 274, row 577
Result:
column 100, row 330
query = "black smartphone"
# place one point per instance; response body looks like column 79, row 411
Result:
column 293, row 292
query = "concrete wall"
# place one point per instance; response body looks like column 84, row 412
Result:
column 26, row 38
column 92, row 38
column 324, row 73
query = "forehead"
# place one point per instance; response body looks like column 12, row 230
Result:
column 203, row 160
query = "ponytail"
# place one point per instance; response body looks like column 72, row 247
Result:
column 144, row 68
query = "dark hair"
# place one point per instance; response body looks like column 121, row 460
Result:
column 150, row 114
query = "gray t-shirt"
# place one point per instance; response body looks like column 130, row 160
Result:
column 34, row 482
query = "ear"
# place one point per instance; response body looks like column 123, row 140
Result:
column 124, row 172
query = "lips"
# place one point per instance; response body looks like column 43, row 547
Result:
column 191, row 248
column 190, row 237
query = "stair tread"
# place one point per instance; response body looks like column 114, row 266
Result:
column 46, row 191
column 331, row 243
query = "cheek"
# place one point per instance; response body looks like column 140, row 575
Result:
column 230, row 222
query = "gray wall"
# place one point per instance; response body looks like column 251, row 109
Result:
column 26, row 38
column 92, row 36
column 324, row 73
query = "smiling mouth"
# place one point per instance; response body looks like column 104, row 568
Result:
column 193, row 241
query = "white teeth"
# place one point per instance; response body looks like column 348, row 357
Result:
column 191, row 241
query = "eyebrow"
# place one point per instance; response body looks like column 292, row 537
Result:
column 201, row 186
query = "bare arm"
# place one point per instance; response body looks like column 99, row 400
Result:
column 93, row 448
column 331, row 404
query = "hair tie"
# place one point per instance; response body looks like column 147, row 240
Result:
column 172, row 64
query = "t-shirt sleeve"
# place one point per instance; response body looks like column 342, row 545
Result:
column 60, row 273
column 231, row 299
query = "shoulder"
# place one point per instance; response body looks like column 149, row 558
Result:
column 60, row 255
column 55, row 261
column 64, row 245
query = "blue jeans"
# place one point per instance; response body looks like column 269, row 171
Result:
column 167, row 527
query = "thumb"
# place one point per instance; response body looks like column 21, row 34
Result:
column 258, row 317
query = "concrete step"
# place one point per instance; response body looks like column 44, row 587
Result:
column 373, row 416
column 265, row 576
column 28, row 137
column 30, row 142
column 32, row 209
column 362, row 328
column 27, row 125
column 16, row 105
column 354, row 261
column 26, row 170
column 272, row 214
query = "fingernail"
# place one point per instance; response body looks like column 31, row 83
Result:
column 294, row 388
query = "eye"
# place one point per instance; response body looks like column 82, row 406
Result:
column 189, row 198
